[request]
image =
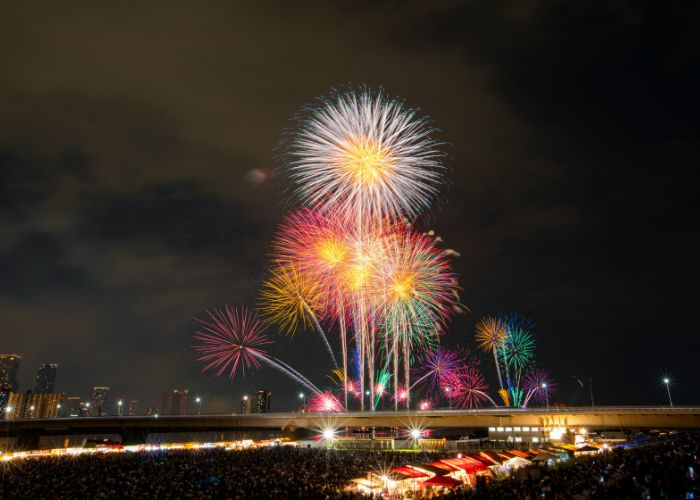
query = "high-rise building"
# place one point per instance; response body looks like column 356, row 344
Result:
column 72, row 407
column 85, row 408
column 5, row 391
column 45, row 378
column 262, row 401
column 247, row 404
column 31, row 405
column 133, row 407
column 98, row 404
column 9, row 369
column 174, row 402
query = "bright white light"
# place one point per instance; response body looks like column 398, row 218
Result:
column 198, row 400
column 301, row 395
column 245, row 398
column 544, row 386
column 415, row 433
column 328, row 434
column 8, row 409
column 666, row 380
column 120, row 402
column 447, row 389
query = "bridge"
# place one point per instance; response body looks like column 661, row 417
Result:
column 135, row 430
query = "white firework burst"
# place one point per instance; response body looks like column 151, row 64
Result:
column 366, row 156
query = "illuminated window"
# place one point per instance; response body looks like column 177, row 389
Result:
column 526, row 429
column 492, row 429
column 518, row 439
column 534, row 429
column 535, row 440
column 509, row 429
column 499, row 429
column 516, row 429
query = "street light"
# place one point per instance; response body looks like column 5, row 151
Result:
column 198, row 400
column 302, row 396
column 120, row 403
column 667, row 381
column 546, row 394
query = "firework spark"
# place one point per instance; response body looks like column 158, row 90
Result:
column 325, row 402
column 539, row 386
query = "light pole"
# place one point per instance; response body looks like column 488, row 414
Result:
column 120, row 405
column 87, row 408
column 302, row 396
column 546, row 394
column 198, row 400
column 58, row 410
column 667, row 381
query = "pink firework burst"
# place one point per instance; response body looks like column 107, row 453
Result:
column 425, row 404
column 438, row 364
column 326, row 402
column 538, row 386
column 467, row 387
column 231, row 339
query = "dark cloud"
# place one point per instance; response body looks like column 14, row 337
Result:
column 137, row 149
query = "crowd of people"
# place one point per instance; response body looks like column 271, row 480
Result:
column 667, row 470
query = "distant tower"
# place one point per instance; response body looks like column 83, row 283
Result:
column 133, row 407
column 45, row 378
column 98, row 405
column 247, row 404
column 73, row 407
column 9, row 368
column 174, row 402
column 5, row 391
column 262, row 401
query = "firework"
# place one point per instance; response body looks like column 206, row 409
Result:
column 325, row 402
column 538, row 386
column 425, row 405
column 364, row 153
column 490, row 335
column 290, row 298
column 437, row 364
column 415, row 288
column 468, row 387
column 231, row 339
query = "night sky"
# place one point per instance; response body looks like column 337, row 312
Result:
column 137, row 144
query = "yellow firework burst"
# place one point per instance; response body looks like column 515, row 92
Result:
column 290, row 298
column 490, row 333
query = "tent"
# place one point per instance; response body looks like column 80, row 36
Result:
column 445, row 481
column 409, row 472
column 544, row 456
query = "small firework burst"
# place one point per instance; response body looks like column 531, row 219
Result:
column 326, row 402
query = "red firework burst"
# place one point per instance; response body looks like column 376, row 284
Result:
column 467, row 387
column 231, row 339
